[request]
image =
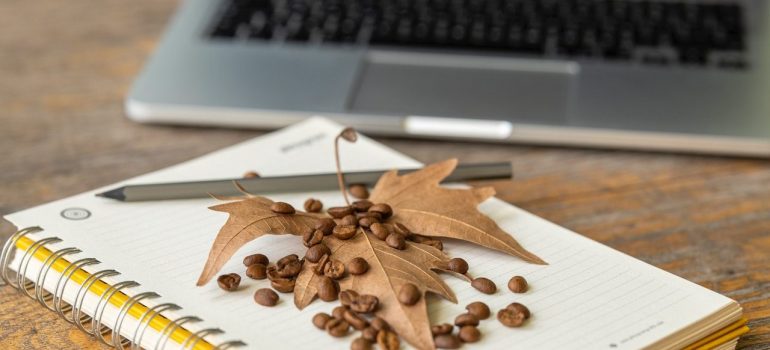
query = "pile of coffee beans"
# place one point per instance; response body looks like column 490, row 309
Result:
column 356, row 313
column 467, row 327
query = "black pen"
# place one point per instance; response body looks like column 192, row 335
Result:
column 285, row 184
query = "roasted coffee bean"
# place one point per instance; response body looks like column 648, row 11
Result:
column 379, row 324
column 396, row 241
column 250, row 174
column 266, row 297
column 317, row 251
column 229, row 282
column 520, row 309
column 256, row 259
column 434, row 243
column 320, row 319
column 313, row 205
column 344, row 232
column 282, row 285
column 510, row 318
column 369, row 333
column 290, row 269
column 518, row 284
column 401, row 229
column 367, row 221
column 362, row 205
column 358, row 266
column 349, row 220
column 349, row 134
column 337, row 327
column 385, row 210
column 334, row 269
column 388, row 340
column 339, row 312
column 312, row 237
column 325, row 225
column 359, row 191
column 272, row 273
column 469, row 334
column 339, row 212
column 458, row 265
column 380, row 231
column 355, row 320
column 361, row 343
column 318, row 269
column 466, row 320
column 327, row 289
column 446, row 341
column 444, row 328
column 365, row 303
column 484, row 285
column 409, row 294
column 347, row 297
column 286, row 259
column 370, row 214
column 478, row 309
column 282, row 208
column 257, row 272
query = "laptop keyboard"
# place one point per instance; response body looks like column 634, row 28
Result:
column 662, row 33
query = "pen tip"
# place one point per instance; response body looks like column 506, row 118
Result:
column 113, row 194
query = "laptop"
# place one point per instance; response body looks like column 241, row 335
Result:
column 689, row 76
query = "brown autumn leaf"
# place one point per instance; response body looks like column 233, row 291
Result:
column 250, row 218
column 424, row 207
column 389, row 270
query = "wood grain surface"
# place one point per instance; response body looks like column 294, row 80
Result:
column 65, row 67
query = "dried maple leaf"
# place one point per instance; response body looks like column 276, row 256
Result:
column 424, row 207
column 250, row 218
column 389, row 270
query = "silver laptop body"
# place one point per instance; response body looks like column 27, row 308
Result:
column 650, row 99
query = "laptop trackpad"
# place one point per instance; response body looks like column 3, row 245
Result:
column 464, row 86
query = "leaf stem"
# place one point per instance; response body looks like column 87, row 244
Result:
column 340, row 176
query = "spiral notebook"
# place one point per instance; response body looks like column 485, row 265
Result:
column 126, row 272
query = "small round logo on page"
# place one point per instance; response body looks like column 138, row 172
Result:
column 75, row 214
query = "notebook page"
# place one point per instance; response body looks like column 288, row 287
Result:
column 590, row 296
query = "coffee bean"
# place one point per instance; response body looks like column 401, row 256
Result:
column 370, row 214
column 367, row 221
column 314, row 253
column 466, row 320
column 282, row 208
column 380, row 231
column 256, row 259
column 510, row 318
column 320, row 319
column 272, row 273
column 388, row 340
column 334, row 269
column 344, row 232
column 358, row 266
column 266, row 297
column 469, row 334
column 286, row 259
column 361, row 343
column 369, row 333
column 362, row 205
column 520, row 309
column 409, row 294
column 458, row 265
column 396, row 241
column 347, row 297
column 446, row 341
column 283, row 285
column 313, row 205
column 349, row 220
column 365, row 304
column 337, row 327
column 312, row 237
column 434, row 243
column 484, row 285
column 327, row 289
column 229, row 282
column 359, row 191
column 385, row 210
column 250, row 174
column 444, row 328
column 339, row 312
column 379, row 324
column 518, row 284
column 339, row 212
column 289, row 269
column 257, row 272
column 355, row 320
column 349, row 134
column 325, row 225
column 478, row 309
column 318, row 269
column 401, row 229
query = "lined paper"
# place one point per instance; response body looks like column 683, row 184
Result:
column 589, row 296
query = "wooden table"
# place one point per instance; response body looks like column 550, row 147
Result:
column 66, row 65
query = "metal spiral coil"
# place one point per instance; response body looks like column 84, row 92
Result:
column 196, row 337
column 96, row 321
column 146, row 319
column 167, row 331
column 42, row 295
column 8, row 249
column 80, row 297
column 118, row 341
